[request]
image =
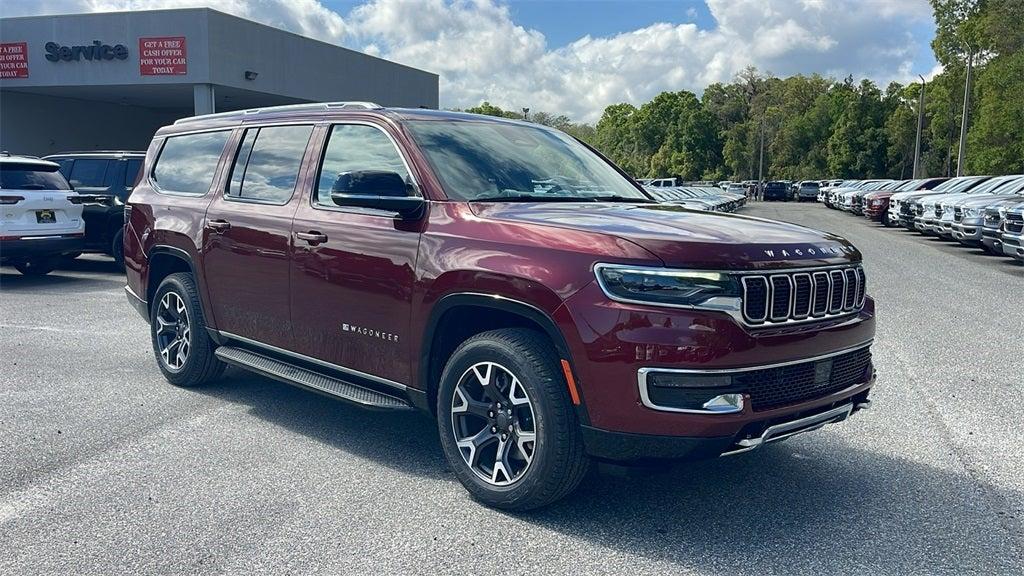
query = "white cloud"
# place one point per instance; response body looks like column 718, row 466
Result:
column 482, row 54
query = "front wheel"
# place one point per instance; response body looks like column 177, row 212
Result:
column 507, row 426
column 182, row 347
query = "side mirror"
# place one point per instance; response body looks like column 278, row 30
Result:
column 378, row 189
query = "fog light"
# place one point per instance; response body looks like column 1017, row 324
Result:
column 725, row 403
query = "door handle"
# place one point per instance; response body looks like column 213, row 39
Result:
column 218, row 225
column 312, row 237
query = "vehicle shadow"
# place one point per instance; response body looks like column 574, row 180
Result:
column 814, row 504
column 102, row 271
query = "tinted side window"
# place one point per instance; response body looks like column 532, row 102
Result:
column 65, row 166
column 353, row 147
column 273, row 166
column 187, row 163
column 88, row 172
column 131, row 173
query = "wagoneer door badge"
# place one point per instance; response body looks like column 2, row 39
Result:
column 364, row 331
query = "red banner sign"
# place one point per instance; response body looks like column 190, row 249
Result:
column 163, row 56
column 14, row 60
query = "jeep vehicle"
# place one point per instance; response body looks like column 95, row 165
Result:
column 776, row 190
column 497, row 274
column 807, row 190
column 42, row 216
column 104, row 179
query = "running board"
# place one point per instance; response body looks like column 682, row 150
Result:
column 304, row 377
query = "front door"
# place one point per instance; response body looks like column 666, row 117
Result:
column 353, row 268
column 247, row 234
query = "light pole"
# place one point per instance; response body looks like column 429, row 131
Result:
column 526, row 113
column 966, row 115
column 920, row 122
column 760, row 161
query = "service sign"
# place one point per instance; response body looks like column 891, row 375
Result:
column 166, row 56
column 14, row 60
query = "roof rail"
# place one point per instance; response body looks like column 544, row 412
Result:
column 286, row 108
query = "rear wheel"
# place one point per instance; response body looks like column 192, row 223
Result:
column 182, row 347
column 37, row 266
column 507, row 426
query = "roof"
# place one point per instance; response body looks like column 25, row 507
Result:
column 30, row 160
column 322, row 110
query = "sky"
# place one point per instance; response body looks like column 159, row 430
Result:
column 576, row 57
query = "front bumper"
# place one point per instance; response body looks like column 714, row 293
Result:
column 968, row 232
column 27, row 247
column 614, row 344
column 1013, row 245
column 628, row 448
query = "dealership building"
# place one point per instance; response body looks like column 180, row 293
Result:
column 108, row 81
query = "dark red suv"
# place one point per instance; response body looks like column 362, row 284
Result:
column 498, row 274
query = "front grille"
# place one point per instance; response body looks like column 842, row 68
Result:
column 938, row 210
column 1014, row 223
column 958, row 214
column 785, row 385
column 918, row 209
column 785, row 297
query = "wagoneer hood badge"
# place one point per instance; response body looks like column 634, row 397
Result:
column 688, row 238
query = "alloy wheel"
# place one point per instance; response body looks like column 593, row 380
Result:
column 494, row 424
column 173, row 333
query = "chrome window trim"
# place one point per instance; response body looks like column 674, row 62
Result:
column 645, row 399
column 351, row 371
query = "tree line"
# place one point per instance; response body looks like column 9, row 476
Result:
column 818, row 127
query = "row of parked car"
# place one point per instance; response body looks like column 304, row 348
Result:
column 63, row 205
column 708, row 198
column 980, row 211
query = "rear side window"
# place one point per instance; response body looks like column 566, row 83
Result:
column 267, row 164
column 89, row 172
column 187, row 163
column 15, row 176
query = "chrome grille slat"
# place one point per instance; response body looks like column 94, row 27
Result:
column 771, row 299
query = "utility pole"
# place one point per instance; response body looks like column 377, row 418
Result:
column 760, row 161
column 966, row 115
column 920, row 122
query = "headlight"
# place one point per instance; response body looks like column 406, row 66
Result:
column 666, row 287
column 972, row 212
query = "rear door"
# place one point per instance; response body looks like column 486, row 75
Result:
column 247, row 234
column 353, row 268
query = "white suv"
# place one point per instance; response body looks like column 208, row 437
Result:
column 41, row 215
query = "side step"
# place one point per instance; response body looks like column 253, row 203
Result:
column 292, row 374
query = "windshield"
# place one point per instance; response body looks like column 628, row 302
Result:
column 497, row 161
column 31, row 177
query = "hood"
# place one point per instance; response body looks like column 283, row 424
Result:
column 687, row 238
column 987, row 200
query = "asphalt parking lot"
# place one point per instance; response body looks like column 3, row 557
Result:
column 105, row 468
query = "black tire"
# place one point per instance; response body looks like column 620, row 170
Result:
column 117, row 249
column 558, row 461
column 200, row 365
column 37, row 266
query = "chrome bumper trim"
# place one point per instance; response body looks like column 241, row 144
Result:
column 794, row 427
